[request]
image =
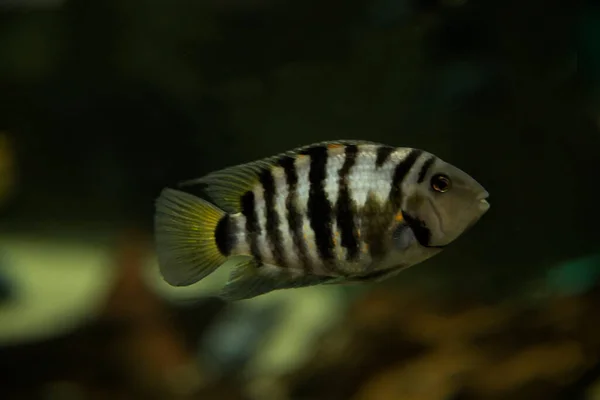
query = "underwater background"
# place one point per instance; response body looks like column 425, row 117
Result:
column 102, row 104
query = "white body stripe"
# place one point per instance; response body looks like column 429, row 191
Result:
column 408, row 184
column 290, row 253
column 366, row 178
column 335, row 161
column 303, row 190
column 261, row 212
column 241, row 239
column 339, row 250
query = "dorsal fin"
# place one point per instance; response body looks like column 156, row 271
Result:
column 226, row 186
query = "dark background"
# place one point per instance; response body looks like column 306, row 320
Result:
column 107, row 102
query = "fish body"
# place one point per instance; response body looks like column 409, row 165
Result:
column 330, row 212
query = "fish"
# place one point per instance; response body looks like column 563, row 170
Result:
column 332, row 212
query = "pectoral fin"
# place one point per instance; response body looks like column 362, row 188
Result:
column 403, row 236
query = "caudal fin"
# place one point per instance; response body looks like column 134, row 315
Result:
column 186, row 247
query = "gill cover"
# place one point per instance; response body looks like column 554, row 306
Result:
column 444, row 204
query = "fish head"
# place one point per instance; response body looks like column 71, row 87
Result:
column 445, row 204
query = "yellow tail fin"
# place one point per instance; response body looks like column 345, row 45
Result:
column 185, row 237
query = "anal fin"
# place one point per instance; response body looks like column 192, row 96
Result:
column 250, row 279
column 375, row 276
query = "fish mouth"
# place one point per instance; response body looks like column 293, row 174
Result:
column 483, row 196
column 482, row 201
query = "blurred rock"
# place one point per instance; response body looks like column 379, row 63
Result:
column 59, row 284
column 433, row 376
column 401, row 346
column 554, row 362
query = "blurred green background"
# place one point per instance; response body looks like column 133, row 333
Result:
column 102, row 104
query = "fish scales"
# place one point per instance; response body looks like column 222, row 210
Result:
column 324, row 169
column 306, row 232
column 332, row 190
column 345, row 215
column 325, row 193
column 293, row 212
column 406, row 160
column 344, row 177
column 273, row 238
column 335, row 162
column 366, row 166
column 263, row 244
column 252, row 226
column 368, row 213
column 286, row 248
column 240, row 237
column 319, row 209
column 366, row 177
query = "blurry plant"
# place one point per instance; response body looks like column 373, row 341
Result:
column 6, row 289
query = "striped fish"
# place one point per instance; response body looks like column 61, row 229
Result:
column 330, row 212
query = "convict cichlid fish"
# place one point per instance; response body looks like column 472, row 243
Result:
column 327, row 213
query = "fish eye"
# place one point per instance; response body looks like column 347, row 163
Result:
column 440, row 183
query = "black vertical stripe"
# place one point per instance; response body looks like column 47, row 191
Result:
column 273, row 234
column 421, row 231
column 344, row 214
column 293, row 216
column 319, row 207
column 252, row 227
column 223, row 238
column 426, row 166
column 383, row 153
column 402, row 169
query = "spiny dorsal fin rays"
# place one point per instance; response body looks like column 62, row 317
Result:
column 226, row 186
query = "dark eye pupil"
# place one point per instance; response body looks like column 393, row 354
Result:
column 440, row 183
